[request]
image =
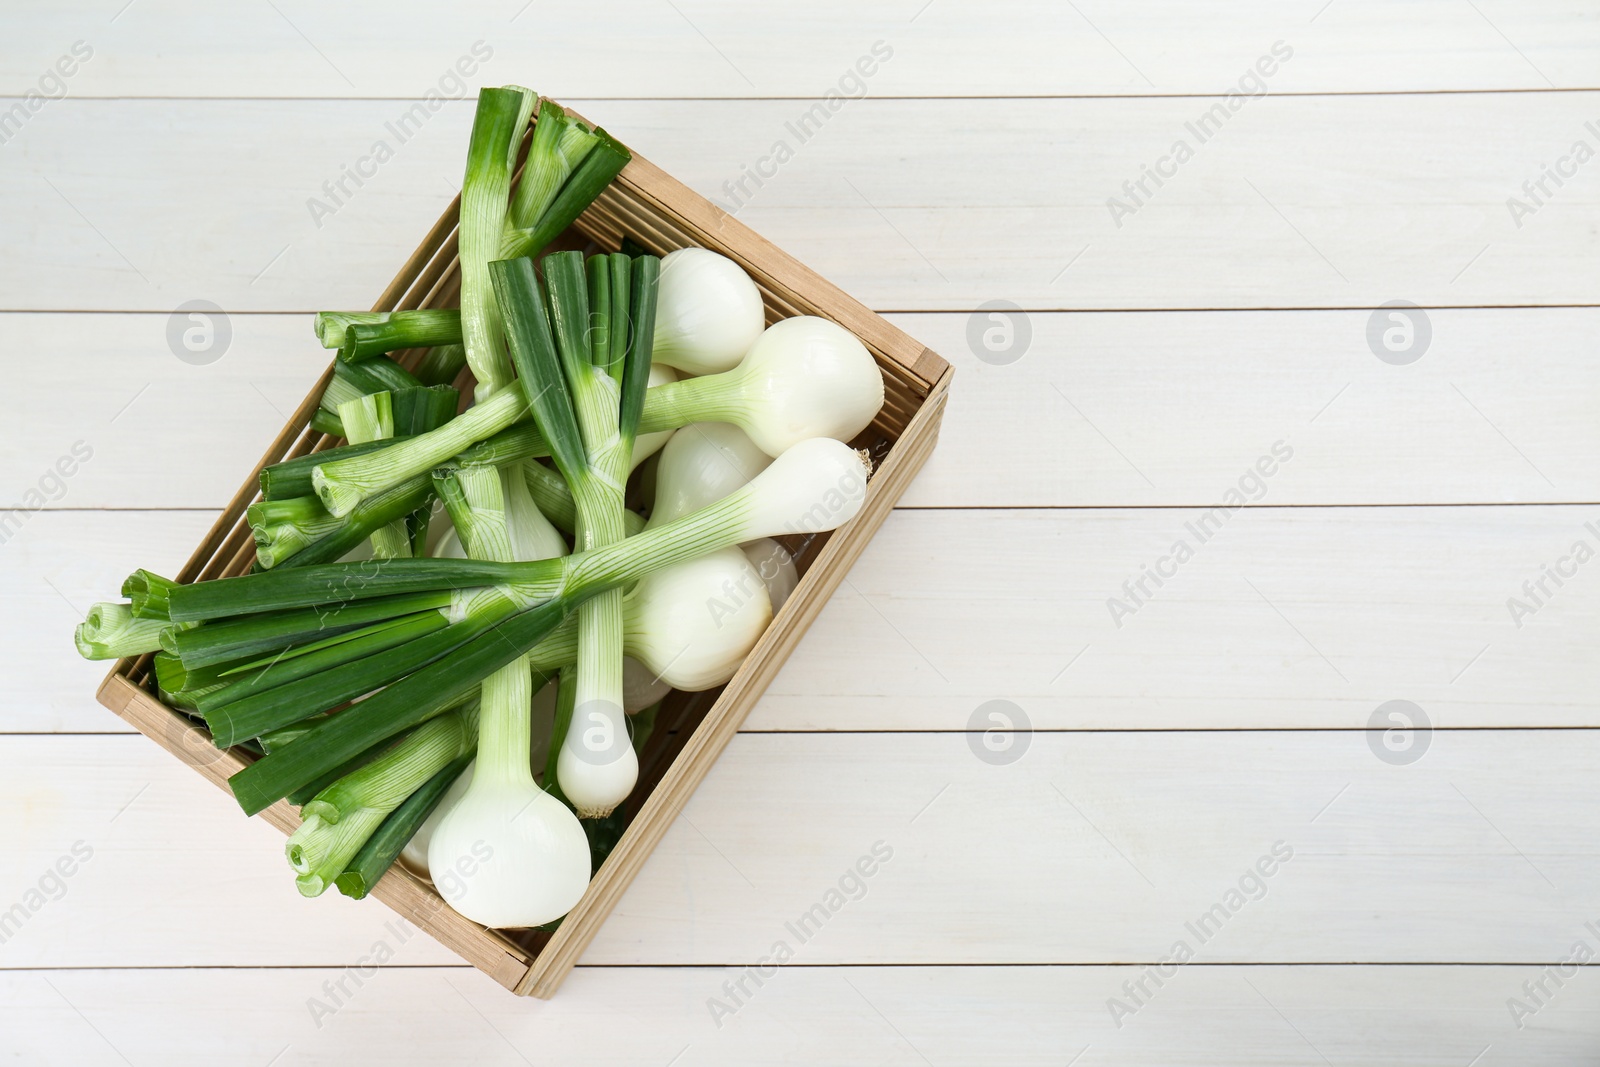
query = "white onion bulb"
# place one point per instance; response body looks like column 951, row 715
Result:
column 708, row 312
column 816, row 485
column 804, row 377
column 508, row 855
column 693, row 623
column 703, row 463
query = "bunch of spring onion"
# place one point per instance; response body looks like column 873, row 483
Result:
column 366, row 690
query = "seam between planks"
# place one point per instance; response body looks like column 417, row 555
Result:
column 134, row 509
column 1128, row 730
column 879, row 964
column 86, row 97
column 1262, row 309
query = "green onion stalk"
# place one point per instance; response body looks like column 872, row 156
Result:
column 183, row 688
column 340, row 819
column 497, row 127
column 815, row 486
column 148, row 594
column 371, row 418
column 306, row 793
column 560, row 142
column 568, row 165
column 377, row 334
column 586, row 375
column 378, row 854
column 475, row 499
column 554, row 498
column 561, row 723
column 292, row 477
column 351, row 380
column 284, row 527
column 299, row 530
column 418, row 411
column 417, row 328
column 546, row 487
column 522, row 443
column 527, row 842
column 111, row 631
column 437, row 329
column 345, row 483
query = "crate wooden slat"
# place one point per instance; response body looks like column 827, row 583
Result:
column 662, row 214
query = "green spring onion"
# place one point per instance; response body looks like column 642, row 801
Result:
column 340, row 818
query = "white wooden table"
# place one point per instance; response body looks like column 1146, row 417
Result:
column 1219, row 319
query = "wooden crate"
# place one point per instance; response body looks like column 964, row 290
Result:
column 661, row 214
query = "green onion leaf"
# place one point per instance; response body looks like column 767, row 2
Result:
column 414, row 699
column 245, row 722
column 316, row 587
column 442, row 365
column 599, row 279
column 646, row 279
column 620, row 268
column 497, row 129
column 149, row 593
column 292, row 477
column 112, row 632
column 327, row 689
column 397, row 330
column 533, row 350
column 588, row 180
column 375, row 857
column 217, row 642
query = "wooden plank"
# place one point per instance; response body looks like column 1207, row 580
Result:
column 1295, row 202
column 1172, row 409
column 1030, row 1016
column 134, row 806
column 709, row 48
column 1045, row 430
column 1285, row 618
column 949, row 609
column 1101, row 847
column 172, row 434
column 54, row 568
column 1107, row 845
